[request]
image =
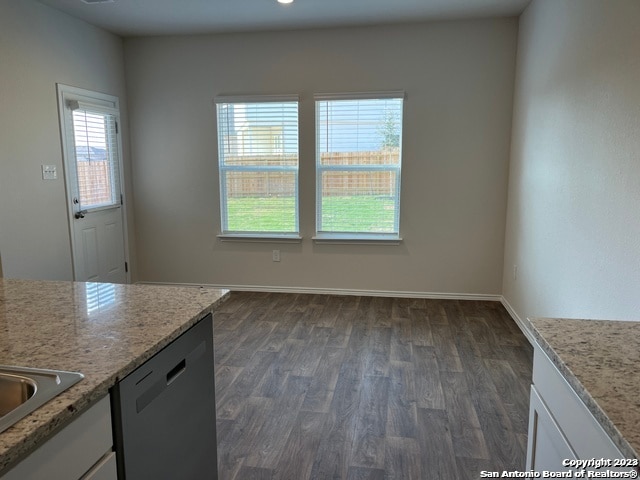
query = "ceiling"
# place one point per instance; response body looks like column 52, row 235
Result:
column 178, row 17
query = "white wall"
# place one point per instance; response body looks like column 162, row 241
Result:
column 458, row 77
column 38, row 48
column 573, row 224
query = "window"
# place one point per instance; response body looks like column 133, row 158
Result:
column 96, row 157
column 358, row 159
column 258, row 162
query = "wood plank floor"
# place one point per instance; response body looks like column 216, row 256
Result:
column 343, row 387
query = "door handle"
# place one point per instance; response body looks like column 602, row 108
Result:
column 176, row 371
column 80, row 214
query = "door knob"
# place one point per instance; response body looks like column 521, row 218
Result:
column 80, row 214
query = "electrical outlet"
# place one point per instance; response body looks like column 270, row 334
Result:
column 515, row 272
column 276, row 255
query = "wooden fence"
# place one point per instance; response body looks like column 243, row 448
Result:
column 334, row 183
column 94, row 181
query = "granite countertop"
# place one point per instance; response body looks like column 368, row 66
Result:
column 103, row 331
column 600, row 359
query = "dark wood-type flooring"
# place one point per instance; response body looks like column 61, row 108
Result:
column 344, row 387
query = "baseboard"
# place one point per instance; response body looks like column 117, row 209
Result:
column 516, row 318
column 338, row 291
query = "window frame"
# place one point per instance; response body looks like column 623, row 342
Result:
column 111, row 118
column 256, row 236
column 335, row 237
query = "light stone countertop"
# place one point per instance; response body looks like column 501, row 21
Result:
column 103, row 331
column 600, row 359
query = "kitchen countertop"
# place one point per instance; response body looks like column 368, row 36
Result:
column 600, row 359
column 103, row 331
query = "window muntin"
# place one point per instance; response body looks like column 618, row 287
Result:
column 358, row 162
column 258, row 163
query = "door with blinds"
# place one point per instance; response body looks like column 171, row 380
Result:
column 93, row 174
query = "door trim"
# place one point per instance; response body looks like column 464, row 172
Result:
column 66, row 93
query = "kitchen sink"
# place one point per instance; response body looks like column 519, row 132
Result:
column 22, row 390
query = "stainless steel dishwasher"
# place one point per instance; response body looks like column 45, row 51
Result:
column 164, row 412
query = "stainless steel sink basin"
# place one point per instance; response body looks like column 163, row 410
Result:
column 22, row 390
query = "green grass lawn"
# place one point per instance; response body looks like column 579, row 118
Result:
column 339, row 214
column 261, row 214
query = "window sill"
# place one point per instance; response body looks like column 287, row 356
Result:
column 357, row 239
column 259, row 238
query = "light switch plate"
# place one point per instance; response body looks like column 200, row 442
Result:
column 49, row 172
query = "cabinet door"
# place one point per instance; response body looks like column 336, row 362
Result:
column 105, row 469
column 547, row 447
column 70, row 453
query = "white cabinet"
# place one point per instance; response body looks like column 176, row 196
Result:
column 105, row 469
column 81, row 450
column 547, row 445
column 560, row 425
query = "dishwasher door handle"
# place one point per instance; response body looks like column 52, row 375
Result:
column 155, row 389
column 158, row 382
column 176, row 371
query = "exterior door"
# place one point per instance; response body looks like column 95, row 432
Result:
column 93, row 174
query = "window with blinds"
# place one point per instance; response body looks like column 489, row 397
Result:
column 258, row 164
column 358, row 160
column 96, row 158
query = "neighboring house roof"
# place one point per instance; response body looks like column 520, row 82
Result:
column 86, row 153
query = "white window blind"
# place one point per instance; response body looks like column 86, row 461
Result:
column 358, row 160
column 96, row 157
column 258, row 163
